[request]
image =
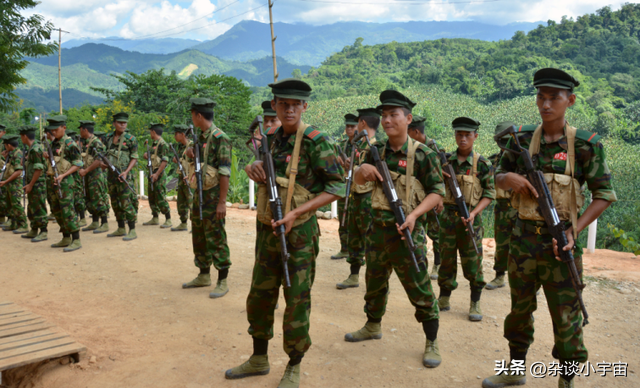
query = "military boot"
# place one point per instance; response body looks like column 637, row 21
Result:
column 254, row 366
column 132, row 235
column 202, row 280
column 505, row 379
column 65, row 242
column 82, row 222
column 9, row 227
column 340, row 255
column 152, row 222
column 92, row 226
column 167, row 224
column 102, row 229
column 498, row 282
column 21, row 230
column 434, row 272
column 41, row 237
column 351, row 282
column 475, row 313
column 180, row 228
column 562, row 383
column 220, row 290
column 31, row 234
column 371, row 330
column 3, row 219
column 444, row 304
column 431, row 358
column 291, row 378
column 74, row 246
column 118, row 233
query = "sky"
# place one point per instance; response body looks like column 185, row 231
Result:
column 207, row 19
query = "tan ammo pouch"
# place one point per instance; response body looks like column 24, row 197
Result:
column 155, row 159
column 300, row 197
column 210, row 177
column 62, row 164
column 469, row 185
column 411, row 194
column 363, row 189
column 502, row 194
column 87, row 159
column 9, row 171
column 1, row 163
column 565, row 190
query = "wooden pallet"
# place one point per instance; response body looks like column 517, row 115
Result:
column 26, row 338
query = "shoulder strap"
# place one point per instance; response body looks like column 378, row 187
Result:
column 411, row 156
column 570, row 169
column 206, row 149
column 534, row 146
column 120, row 142
column 155, row 151
column 292, row 168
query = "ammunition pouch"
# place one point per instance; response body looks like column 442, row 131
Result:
column 63, row 165
column 300, row 197
column 379, row 200
column 210, row 177
column 560, row 188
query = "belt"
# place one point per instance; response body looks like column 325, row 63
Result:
column 361, row 195
column 532, row 228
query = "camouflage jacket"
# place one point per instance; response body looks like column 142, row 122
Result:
column 128, row 151
column 92, row 146
column 484, row 173
column 35, row 160
column 219, row 149
column 71, row 150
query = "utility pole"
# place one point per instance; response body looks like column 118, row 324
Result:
column 60, row 64
column 273, row 44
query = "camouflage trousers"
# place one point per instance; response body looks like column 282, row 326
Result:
column 342, row 230
column 433, row 231
column 185, row 198
column 454, row 239
column 532, row 265
column 158, row 197
column 4, row 208
column 64, row 208
column 357, row 225
column 97, row 198
column 12, row 193
column 505, row 216
column 209, row 236
column 387, row 252
column 303, row 246
column 37, row 207
column 79, row 202
column 50, row 192
column 123, row 201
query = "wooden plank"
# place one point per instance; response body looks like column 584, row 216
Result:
column 41, row 355
column 32, row 326
column 14, row 325
column 35, row 334
column 3, row 318
column 36, row 347
column 31, row 341
column 11, row 309
column 12, row 320
column 5, row 303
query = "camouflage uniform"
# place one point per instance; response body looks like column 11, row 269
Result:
column 3, row 202
column 532, row 263
column 37, row 208
column 64, row 208
column 12, row 192
column 359, row 217
column 318, row 171
column 185, row 197
column 343, row 231
column 123, row 201
column 432, row 226
column 158, row 197
column 453, row 235
column 97, row 196
column 504, row 221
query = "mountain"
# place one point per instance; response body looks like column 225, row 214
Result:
column 145, row 46
column 310, row 45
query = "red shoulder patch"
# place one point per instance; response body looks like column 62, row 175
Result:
column 313, row 133
column 272, row 130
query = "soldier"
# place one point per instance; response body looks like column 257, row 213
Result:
column 79, row 186
column 208, row 229
column 416, row 132
column 122, row 152
column 48, row 139
column 569, row 158
column 3, row 204
column 97, row 196
column 159, row 160
column 185, row 196
column 475, row 177
column 11, row 186
column 385, row 249
column 305, row 161
column 504, row 220
column 350, row 124
column 360, row 202
column 36, row 189
column 68, row 161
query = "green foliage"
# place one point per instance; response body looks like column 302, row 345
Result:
column 20, row 36
column 238, row 182
column 629, row 243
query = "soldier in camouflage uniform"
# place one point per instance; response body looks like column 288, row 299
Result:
column 475, row 177
column 416, row 132
column 533, row 253
column 359, row 210
column 11, row 186
column 208, row 229
column 504, row 221
column 185, row 197
column 3, row 202
column 318, row 182
column 122, row 152
column 385, row 249
column 36, row 189
column 350, row 124
column 79, row 195
column 96, row 192
column 160, row 154
column 68, row 162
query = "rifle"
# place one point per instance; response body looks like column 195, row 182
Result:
column 182, row 172
column 54, row 167
column 548, row 210
column 114, row 170
column 357, row 136
column 149, row 167
column 196, row 153
column 84, row 189
column 275, row 202
column 24, row 178
column 436, row 215
column 392, row 197
column 4, row 169
column 452, row 182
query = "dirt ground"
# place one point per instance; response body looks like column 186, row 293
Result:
column 124, row 301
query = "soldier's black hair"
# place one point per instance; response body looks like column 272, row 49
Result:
column 30, row 135
column 419, row 128
column 372, row 122
column 89, row 128
column 13, row 142
column 158, row 130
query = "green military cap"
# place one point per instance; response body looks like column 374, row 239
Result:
column 56, row 122
column 180, row 128
column 72, row 134
column 100, row 134
column 503, row 125
column 156, row 125
column 202, row 105
column 418, row 121
column 27, row 129
column 395, row 98
column 465, row 124
column 368, row 112
column 350, row 119
column 86, row 123
column 554, row 78
column 3, row 128
column 267, row 110
column 10, row 138
column 122, row 117
column 291, row 88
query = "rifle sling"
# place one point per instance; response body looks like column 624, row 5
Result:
column 292, row 168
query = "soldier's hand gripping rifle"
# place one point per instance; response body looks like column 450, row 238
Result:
column 115, row 170
column 275, row 202
column 182, row 172
column 149, row 167
column 452, row 182
column 196, row 153
column 54, row 167
column 392, row 197
column 547, row 208
column 357, row 136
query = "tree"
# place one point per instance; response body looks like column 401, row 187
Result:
column 20, row 37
